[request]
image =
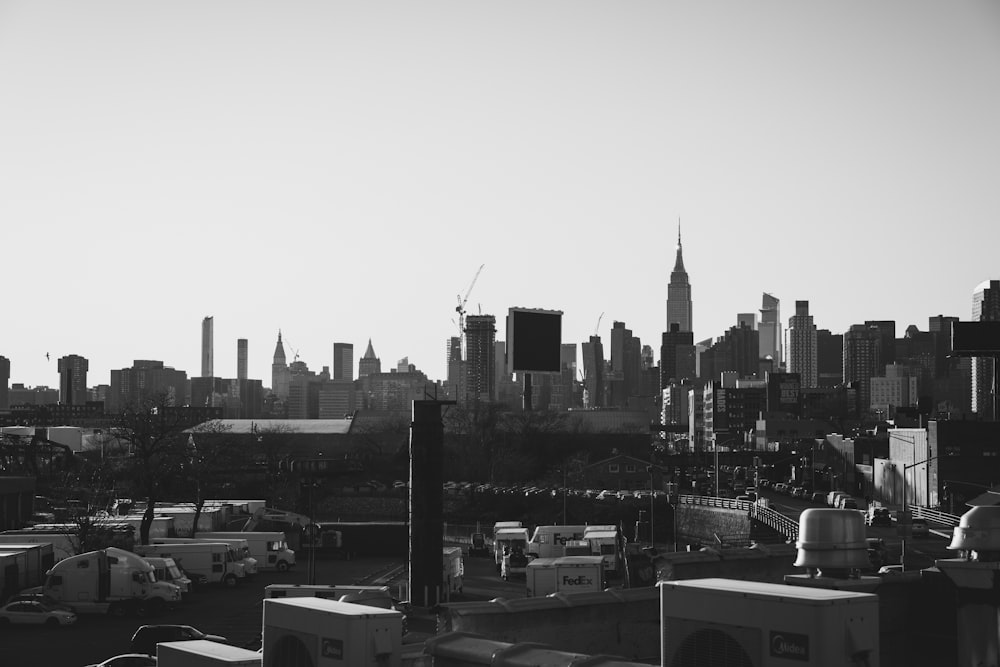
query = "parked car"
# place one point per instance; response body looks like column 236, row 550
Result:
column 920, row 528
column 878, row 516
column 146, row 637
column 819, row 497
column 128, row 660
column 32, row 612
column 46, row 600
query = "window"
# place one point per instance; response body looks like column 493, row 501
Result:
column 629, row 467
column 613, row 468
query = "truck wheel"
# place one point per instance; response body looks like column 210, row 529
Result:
column 282, row 566
column 229, row 581
column 117, row 609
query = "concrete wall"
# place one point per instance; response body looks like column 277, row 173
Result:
column 700, row 524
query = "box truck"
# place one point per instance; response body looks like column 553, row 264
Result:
column 204, row 653
column 550, row 541
column 569, row 574
column 605, row 541
column 509, row 539
column 268, row 547
column 216, row 561
column 321, row 632
column 111, row 581
column 241, row 549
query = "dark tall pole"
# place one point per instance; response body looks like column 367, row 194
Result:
column 426, row 503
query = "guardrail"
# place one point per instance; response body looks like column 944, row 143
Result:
column 942, row 518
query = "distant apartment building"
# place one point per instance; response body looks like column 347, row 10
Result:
column 676, row 356
column 897, row 389
column 626, row 365
column 829, row 359
column 343, row 361
column 985, row 307
column 801, row 349
column 862, row 361
column 337, row 399
column 145, row 381
column 455, row 365
column 736, row 352
column 207, row 347
column 480, row 337
column 40, row 395
column 73, row 380
column 394, row 391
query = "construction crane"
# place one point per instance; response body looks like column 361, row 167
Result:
column 460, row 308
column 597, row 328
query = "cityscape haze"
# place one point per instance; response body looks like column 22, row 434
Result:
column 345, row 169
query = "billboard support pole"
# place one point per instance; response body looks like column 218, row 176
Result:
column 527, row 392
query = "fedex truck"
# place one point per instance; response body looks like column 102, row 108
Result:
column 550, row 541
column 569, row 574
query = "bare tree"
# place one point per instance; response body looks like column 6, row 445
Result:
column 153, row 434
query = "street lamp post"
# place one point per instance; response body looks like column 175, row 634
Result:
column 902, row 553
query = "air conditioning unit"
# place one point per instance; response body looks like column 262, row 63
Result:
column 316, row 632
column 730, row 623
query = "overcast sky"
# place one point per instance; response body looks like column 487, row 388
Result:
column 340, row 170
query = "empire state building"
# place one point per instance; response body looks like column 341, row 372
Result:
column 679, row 293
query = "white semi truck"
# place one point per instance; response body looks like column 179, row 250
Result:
column 109, row 581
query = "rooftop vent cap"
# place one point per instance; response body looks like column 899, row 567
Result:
column 832, row 541
column 979, row 530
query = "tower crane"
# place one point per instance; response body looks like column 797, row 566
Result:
column 597, row 328
column 460, row 308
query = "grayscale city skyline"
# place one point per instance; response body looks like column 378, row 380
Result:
column 339, row 171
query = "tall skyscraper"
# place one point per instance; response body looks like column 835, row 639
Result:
column 829, row 358
column 593, row 372
column 676, row 347
column 626, row 365
column 207, row 348
column 343, row 361
column 4, row 383
column 280, row 374
column 73, row 380
column 679, row 310
column 770, row 330
column 985, row 308
column 480, row 336
column 862, row 361
column 801, row 350
column 242, row 356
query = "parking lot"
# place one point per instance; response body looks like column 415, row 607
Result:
column 233, row 613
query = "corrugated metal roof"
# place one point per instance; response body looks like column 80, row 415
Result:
column 307, row 426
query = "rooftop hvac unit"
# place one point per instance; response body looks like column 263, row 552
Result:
column 315, row 632
column 729, row 623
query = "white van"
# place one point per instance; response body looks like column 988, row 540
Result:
column 268, row 547
column 216, row 561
